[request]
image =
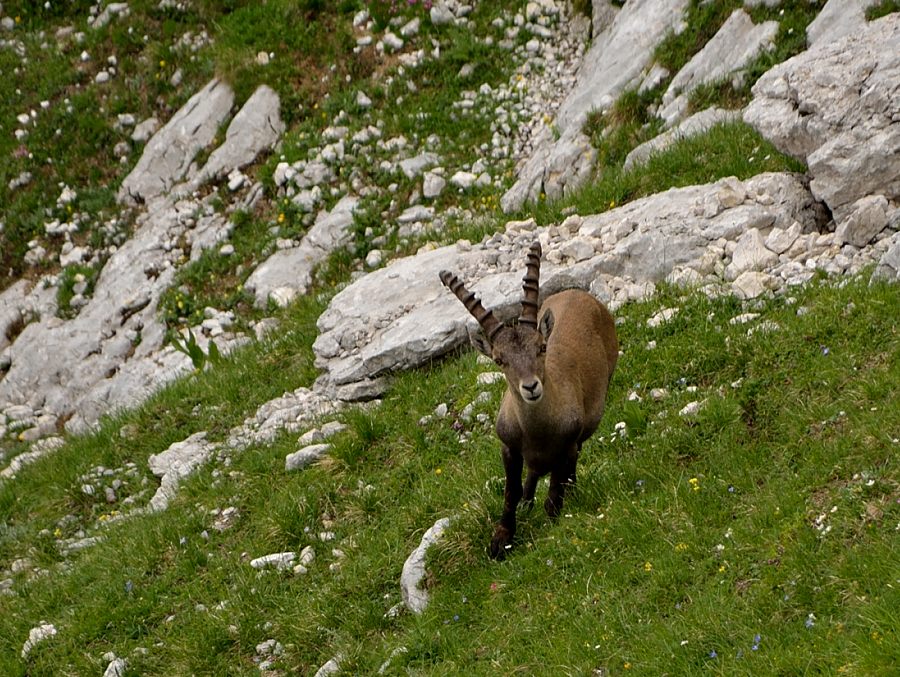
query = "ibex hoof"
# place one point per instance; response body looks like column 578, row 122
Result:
column 552, row 508
column 501, row 542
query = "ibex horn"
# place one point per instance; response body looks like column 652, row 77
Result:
column 486, row 319
column 531, row 287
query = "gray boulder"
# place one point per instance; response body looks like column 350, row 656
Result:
column 288, row 272
column 401, row 316
column 256, row 128
column 837, row 19
column 734, row 46
column 168, row 155
column 837, row 107
column 174, row 464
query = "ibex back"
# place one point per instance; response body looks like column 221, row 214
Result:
column 557, row 366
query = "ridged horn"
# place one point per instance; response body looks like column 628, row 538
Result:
column 486, row 319
column 530, row 286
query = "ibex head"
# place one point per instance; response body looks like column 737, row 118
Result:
column 517, row 349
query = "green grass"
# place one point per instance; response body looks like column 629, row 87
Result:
column 772, row 513
column 687, row 536
column 732, row 149
column 881, row 9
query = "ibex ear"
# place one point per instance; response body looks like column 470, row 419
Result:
column 480, row 341
column 546, row 324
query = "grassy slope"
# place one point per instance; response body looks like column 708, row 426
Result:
column 687, row 530
column 631, row 579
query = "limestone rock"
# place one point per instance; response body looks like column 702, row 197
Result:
column 415, row 598
column 278, row 561
column 169, row 153
column 618, row 255
column 889, row 265
column 306, row 456
column 837, row 107
column 292, row 268
column 174, row 464
column 255, row 128
column 837, row 19
column 37, row 635
column 750, row 254
column 615, row 61
column 734, row 46
column 692, row 126
column 868, row 219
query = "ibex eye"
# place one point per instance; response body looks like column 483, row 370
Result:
column 498, row 361
column 543, row 348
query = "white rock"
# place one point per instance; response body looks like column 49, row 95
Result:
column 750, row 254
column 440, row 14
column 374, row 258
column 392, row 42
column 490, row 378
column 116, row 668
column 463, row 180
column 279, row 561
column 753, row 284
column 433, row 185
column 415, row 598
column 410, row 28
column 662, row 317
column 866, row 220
column 306, row 456
column 691, row 409
column 37, row 635
column 835, row 107
column 174, row 464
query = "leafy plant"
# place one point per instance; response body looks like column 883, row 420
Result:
column 189, row 346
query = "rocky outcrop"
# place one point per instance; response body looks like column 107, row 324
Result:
column 256, row 128
column 169, row 154
column 837, row 107
column 615, row 62
column 400, row 316
column 837, row 19
column 289, row 271
column 735, row 45
column 176, row 463
column 111, row 355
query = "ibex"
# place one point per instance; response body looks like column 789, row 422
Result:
column 558, row 367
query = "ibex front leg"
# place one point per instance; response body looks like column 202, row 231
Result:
column 506, row 530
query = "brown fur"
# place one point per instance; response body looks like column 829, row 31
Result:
column 557, row 378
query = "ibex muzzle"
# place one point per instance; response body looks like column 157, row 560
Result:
column 558, row 365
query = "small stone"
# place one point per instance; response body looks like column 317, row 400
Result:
column 433, row 185
column 374, row 258
column 306, row 456
column 278, row 560
column 691, row 409
column 463, row 180
column 490, row 378
column 392, row 42
column 662, row 317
